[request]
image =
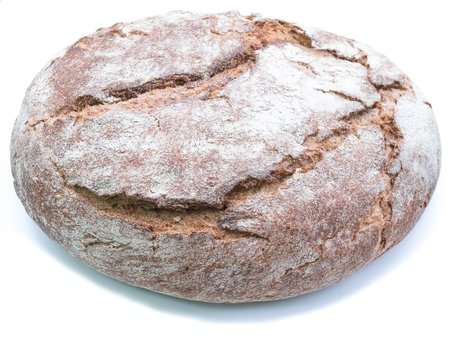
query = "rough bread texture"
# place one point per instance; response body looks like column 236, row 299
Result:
column 224, row 158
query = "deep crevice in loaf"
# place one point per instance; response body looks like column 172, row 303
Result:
column 172, row 81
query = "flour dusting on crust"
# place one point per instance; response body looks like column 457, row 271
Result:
column 224, row 158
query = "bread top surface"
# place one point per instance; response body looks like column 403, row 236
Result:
column 181, row 109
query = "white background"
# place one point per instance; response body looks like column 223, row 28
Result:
column 415, row 301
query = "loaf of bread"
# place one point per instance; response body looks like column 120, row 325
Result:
column 224, row 158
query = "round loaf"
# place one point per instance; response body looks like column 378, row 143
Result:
column 224, row 158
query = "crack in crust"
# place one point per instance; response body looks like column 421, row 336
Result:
column 313, row 154
column 158, row 221
column 264, row 33
column 344, row 96
column 301, row 267
column 195, row 218
column 381, row 211
column 91, row 241
column 172, row 81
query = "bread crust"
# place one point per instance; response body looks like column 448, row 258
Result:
column 224, row 158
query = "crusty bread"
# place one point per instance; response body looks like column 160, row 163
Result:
column 224, row 158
